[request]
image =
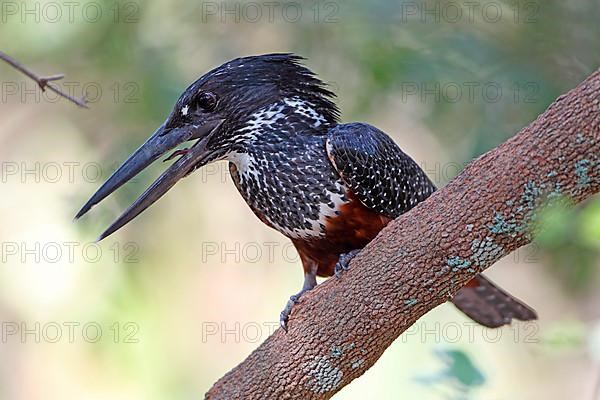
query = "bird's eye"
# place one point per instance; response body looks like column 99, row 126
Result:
column 207, row 100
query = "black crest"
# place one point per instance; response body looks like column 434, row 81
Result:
column 247, row 82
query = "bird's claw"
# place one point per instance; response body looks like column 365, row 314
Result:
column 285, row 314
column 343, row 263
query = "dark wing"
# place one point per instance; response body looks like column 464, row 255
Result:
column 380, row 175
column 388, row 181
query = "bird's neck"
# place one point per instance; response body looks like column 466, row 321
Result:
column 279, row 124
column 282, row 170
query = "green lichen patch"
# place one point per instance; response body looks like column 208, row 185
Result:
column 522, row 214
column 582, row 169
column 324, row 376
column 458, row 263
column 523, row 217
column 500, row 224
column 410, row 302
column 338, row 351
column 357, row 363
column 484, row 252
column 531, row 195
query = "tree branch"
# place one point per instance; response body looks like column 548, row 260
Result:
column 420, row 260
column 43, row 81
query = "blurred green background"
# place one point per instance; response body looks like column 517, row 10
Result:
column 173, row 301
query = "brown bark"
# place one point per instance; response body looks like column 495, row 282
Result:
column 420, row 260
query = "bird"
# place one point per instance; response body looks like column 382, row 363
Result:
column 329, row 187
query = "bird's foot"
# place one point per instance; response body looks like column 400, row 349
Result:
column 285, row 314
column 343, row 263
column 310, row 281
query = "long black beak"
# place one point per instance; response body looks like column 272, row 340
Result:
column 158, row 144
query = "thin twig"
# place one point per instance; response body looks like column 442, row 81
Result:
column 43, row 81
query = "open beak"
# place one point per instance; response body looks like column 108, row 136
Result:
column 158, row 144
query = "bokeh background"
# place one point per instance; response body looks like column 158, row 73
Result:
column 173, row 301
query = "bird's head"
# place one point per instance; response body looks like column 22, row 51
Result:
column 217, row 112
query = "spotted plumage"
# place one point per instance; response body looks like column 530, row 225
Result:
column 329, row 187
column 381, row 175
column 286, row 181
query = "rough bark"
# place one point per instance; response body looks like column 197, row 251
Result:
column 420, row 260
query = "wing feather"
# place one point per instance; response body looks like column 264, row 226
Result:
column 378, row 172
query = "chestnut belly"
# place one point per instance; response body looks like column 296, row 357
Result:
column 353, row 228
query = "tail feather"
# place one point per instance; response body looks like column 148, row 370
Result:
column 487, row 304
